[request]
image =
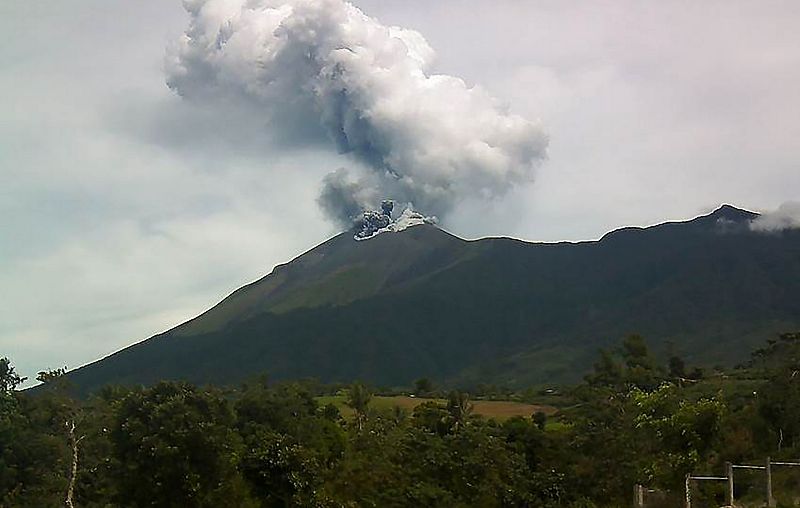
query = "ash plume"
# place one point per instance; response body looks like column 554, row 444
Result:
column 415, row 137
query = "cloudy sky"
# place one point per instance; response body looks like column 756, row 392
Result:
column 126, row 209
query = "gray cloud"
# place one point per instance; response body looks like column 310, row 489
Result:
column 126, row 210
column 786, row 216
column 421, row 138
column 342, row 198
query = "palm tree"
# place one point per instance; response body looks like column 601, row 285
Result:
column 459, row 407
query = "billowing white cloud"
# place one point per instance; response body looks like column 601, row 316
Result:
column 786, row 216
column 421, row 138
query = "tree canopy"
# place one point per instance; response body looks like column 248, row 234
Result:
column 174, row 444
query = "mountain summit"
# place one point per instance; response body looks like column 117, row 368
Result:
column 422, row 302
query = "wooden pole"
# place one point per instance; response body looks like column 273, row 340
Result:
column 770, row 499
column 729, row 474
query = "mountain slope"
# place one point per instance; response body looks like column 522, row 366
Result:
column 425, row 303
column 336, row 272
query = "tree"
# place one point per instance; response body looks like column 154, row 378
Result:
column 471, row 467
column 423, row 386
column 358, row 399
column 677, row 433
column 607, row 371
column 601, row 456
column 459, row 407
column 280, row 471
column 176, row 446
column 779, row 405
column 9, row 379
column 432, row 417
column 540, row 419
column 74, row 443
column 677, row 367
column 278, row 408
column 33, row 451
column 642, row 369
column 68, row 416
column 526, row 436
column 634, row 366
column 51, row 376
column 330, row 412
column 55, row 381
column 779, row 398
column 11, row 426
column 97, row 477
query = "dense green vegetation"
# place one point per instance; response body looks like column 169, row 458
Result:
column 423, row 303
column 632, row 420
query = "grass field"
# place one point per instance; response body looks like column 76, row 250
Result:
column 497, row 409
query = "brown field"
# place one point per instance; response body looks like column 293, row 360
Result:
column 497, row 409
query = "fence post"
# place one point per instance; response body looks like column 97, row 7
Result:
column 770, row 499
column 638, row 496
column 688, row 493
column 729, row 474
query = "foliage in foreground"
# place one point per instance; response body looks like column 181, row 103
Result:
column 262, row 445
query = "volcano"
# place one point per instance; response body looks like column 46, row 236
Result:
column 423, row 302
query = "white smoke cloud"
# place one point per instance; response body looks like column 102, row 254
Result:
column 417, row 137
column 786, row 216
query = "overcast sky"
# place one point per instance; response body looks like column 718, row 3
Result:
column 125, row 210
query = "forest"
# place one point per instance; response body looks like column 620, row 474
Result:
column 633, row 421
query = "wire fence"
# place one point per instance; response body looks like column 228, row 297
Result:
column 701, row 490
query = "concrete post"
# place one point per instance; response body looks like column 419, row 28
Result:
column 729, row 474
column 688, row 493
column 729, row 492
column 638, row 496
column 770, row 499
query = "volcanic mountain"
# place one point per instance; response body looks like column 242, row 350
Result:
column 423, row 302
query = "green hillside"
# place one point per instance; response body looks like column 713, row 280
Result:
column 425, row 303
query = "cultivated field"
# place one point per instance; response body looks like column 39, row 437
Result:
column 497, row 409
